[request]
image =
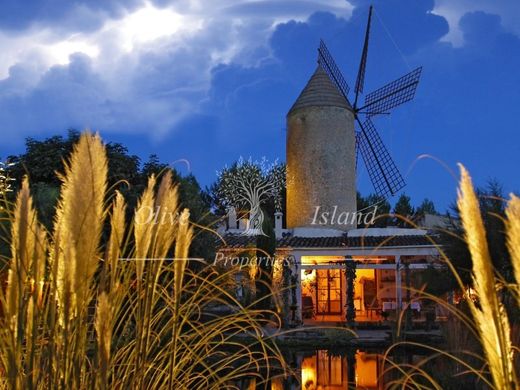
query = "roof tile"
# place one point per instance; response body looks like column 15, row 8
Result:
column 241, row 241
column 320, row 91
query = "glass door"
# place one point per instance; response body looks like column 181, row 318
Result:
column 328, row 291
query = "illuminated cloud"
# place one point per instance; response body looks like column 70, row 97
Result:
column 152, row 61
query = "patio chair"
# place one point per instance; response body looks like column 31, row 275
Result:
column 307, row 307
column 372, row 307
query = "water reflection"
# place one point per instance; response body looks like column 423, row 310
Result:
column 328, row 370
column 325, row 370
column 363, row 369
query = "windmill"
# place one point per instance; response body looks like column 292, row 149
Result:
column 382, row 170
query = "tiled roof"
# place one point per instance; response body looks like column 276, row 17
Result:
column 320, row 91
column 241, row 241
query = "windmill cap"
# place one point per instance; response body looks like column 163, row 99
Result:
column 320, row 91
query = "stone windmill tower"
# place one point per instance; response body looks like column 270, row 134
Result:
column 324, row 134
column 321, row 154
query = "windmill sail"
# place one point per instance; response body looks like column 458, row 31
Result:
column 383, row 172
column 329, row 65
column 360, row 81
column 393, row 94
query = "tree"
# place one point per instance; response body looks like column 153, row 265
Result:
column 367, row 205
column 154, row 166
column 45, row 197
column 436, row 281
column 426, row 207
column 246, row 186
column 492, row 207
column 6, row 189
column 402, row 210
column 257, row 187
column 6, row 181
column 192, row 197
column 121, row 165
column 361, row 201
column 42, row 159
column 265, row 253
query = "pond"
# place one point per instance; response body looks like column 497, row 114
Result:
column 334, row 369
column 326, row 369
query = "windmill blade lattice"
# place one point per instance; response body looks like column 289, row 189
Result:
column 383, row 172
column 360, row 81
column 329, row 65
column 393, row 94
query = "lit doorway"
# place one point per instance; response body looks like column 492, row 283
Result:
column 328, row 291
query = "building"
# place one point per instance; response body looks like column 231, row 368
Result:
column 338, row 272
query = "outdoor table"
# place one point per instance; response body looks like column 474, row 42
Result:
column 387, row 306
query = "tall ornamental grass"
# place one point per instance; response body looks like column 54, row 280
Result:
column 481, row 339
column 105, row 302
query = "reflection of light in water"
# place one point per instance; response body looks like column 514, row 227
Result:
column 309, row 373
column 276, row 384
column 323, row 371
column 366, row 370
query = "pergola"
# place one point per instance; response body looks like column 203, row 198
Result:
column 363, row 258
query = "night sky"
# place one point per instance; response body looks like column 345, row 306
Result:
column 212, row 80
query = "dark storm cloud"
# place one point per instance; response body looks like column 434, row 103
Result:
column 454, row 11
column 77, row 15
column 266, row 8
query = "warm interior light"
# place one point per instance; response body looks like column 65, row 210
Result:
column 309, row 372
column 314, row 260
column 308, row 275
column 366, row 370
